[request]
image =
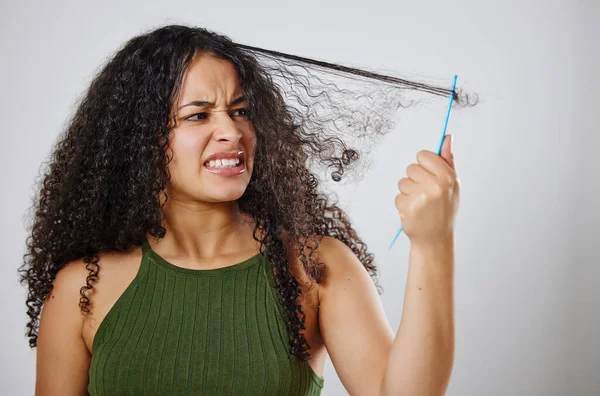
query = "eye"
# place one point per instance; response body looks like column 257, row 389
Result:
column 202, row 116
column 243, row 110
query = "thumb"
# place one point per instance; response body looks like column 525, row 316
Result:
column 446, row 152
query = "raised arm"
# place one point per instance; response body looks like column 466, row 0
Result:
column 418, row 360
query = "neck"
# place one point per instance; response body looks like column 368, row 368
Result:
column 201, row 231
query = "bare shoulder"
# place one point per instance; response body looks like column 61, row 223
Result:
column 62, row 358
column 341, row 262
column 66, row 335
column 68, row 281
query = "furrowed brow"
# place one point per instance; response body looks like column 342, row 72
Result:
column 203, row 103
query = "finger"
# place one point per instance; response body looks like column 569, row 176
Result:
column 418, row 174
column 434, row 164
column 446, row 152
column 407, row 186
column 402, row 202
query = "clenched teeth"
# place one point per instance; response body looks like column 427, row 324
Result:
column 223, row 163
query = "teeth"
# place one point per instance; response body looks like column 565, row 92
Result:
column 223, row 163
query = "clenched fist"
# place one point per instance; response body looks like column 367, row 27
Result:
column 429, row 196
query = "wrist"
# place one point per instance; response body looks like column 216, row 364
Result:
column 441, row 243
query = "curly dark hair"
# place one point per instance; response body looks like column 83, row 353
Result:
column 106, row 176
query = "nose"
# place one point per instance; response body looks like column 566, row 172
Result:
column 226, row 129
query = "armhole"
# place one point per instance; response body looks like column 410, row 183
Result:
column 113, row 312
column 112, row 315
column 268, row 273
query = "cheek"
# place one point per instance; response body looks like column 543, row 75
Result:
column 187, row 151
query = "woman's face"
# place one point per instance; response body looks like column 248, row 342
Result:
column 211, row 119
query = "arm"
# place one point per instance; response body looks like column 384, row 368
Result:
column 422, row 354
column 62, row 359
column 419, row 359
column 352, row 321
column 367, row 357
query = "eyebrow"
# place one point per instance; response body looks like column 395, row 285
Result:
column 202, row 103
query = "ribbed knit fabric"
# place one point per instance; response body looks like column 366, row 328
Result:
column 179, row 331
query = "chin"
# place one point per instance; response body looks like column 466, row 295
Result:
column 223, row 196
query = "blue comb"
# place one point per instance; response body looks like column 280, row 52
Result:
column 439, row 150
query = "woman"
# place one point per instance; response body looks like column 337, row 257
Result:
column 179, row 216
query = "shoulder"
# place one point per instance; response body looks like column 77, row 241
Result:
column 68, row 282
column 332, row 250
column 73, row 275
column 341, row 262
column 112, row 271
column 63, row 355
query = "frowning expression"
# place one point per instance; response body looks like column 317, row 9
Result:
column 213, row 142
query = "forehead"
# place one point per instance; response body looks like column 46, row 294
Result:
column 211, row 78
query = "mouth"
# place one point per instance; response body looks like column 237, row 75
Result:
column 226, row 167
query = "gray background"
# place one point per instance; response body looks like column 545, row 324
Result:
column 527, row 268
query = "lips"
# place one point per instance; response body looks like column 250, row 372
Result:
column 229, row 171
column 226, row 155
column 236, row 170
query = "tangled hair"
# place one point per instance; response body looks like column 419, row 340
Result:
column 106, row 176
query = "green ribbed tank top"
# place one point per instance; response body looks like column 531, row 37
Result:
column 180, row 331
